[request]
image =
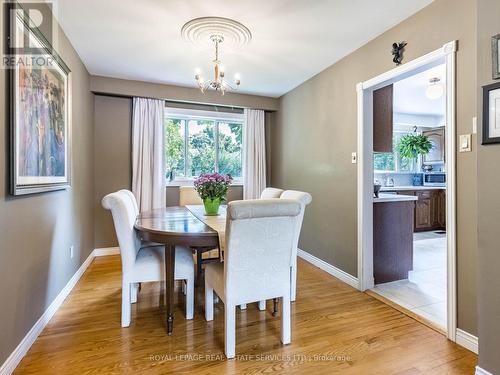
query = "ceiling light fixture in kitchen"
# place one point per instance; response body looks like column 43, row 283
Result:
column 435, row 90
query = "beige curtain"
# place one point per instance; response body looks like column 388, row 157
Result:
column 254, row 166
column 148, row 175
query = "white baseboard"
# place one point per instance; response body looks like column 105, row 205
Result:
column 327, row 267
column 104, row 251
column 480, row 371
column 467, row 340
column 20, row 351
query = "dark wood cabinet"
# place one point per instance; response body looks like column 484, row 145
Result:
column 437, row 153
column 383, row 119
column 430, row 209
column 392, row 240
column 424, row 210
column 441, row 214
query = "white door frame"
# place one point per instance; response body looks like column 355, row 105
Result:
column 447, row 55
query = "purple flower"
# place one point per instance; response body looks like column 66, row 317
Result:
column 212, row 185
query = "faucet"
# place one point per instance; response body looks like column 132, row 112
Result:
column 389, row 181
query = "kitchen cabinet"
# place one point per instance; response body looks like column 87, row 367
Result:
column 383, row 119
column 424, row 210
column 430, row 209
column 437, row 138
column 392, row 239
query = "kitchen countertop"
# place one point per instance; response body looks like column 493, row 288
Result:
column 410, row 187
column 383, row 198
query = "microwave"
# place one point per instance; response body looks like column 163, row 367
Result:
column 435, row 179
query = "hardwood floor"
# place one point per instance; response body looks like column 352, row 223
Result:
column 335, row 329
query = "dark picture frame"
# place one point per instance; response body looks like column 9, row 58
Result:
column 491, row 129
column 495, row 48
column 39, row 111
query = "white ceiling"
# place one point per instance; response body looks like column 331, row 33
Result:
column 410, row 98
column 292, row 39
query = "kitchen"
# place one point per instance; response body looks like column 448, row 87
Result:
column 409, row 206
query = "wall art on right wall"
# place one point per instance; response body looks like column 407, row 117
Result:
column 491, row 113
column 495, row 47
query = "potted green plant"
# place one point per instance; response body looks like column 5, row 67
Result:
column 411, row 146
column 212, row 188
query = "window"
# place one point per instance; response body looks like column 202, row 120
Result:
column 197, row 142
column 393, row 162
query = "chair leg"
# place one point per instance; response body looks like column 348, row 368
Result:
column 198, row 266
column 126, row 308
column 209, row 302
column 230, row 330
column 184, row 287
column 286, row 324
column 243, row 306
column 134, row 290
column 189, row 298
column 293, row 280
column 262, row 305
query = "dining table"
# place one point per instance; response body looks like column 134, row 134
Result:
column 179, row 226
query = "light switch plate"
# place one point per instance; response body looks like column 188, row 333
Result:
column 354, row 158
column 465, row 143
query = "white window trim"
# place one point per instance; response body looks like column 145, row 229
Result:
column 397, row 162
column 190, row 114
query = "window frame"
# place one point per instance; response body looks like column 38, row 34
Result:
column 397, row 161
column 216, row 117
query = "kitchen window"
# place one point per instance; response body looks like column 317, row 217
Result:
column 199, row 142
column 384, row 162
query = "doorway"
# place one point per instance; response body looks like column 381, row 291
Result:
column 444, row 57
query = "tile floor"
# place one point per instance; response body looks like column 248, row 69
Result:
column 424, row 292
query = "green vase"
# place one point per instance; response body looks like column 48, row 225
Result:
column 211, row 206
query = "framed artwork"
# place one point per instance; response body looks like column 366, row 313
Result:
column 495, row 47
column 40, row 129
column 491, row 114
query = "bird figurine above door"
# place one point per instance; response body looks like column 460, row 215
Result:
column 397, row 52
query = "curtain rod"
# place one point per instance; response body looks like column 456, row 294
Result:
column 173, row 101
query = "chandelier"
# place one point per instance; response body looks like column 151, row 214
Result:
column 219, row 84
column 212, row 32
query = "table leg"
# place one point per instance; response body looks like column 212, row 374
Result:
column 169, row 284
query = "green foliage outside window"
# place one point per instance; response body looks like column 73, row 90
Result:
column 202, row 155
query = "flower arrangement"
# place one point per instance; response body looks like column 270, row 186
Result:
column 212, row 188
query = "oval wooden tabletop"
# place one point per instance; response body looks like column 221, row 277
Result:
column 173, row 221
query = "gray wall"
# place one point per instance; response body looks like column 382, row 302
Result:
column 316, row 133
column 488, row 204
column 112, row 159
column 38, row 230
column 113, row 168
column 116, row 86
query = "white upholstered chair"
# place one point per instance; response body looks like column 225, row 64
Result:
column 267, row 193
column 260, row 237
column 188, row 195
column 271, row 192
column 304, row 199
column 143, row 263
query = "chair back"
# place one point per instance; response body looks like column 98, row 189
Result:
column 188, row 195
column 124, row 210
column 259, row 243
column 304, row 199
column 271, row 192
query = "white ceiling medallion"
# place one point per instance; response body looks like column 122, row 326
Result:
column 200, row 30
column 216, row 31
